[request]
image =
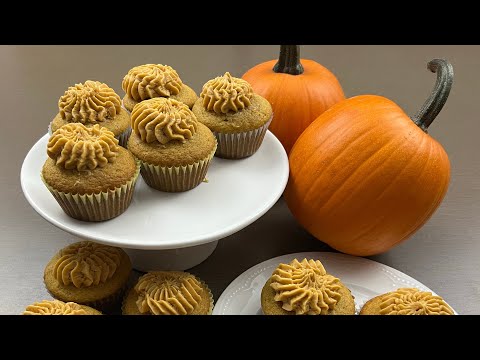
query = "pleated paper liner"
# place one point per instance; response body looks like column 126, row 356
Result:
column 96, row 207
column 240, row 145
column 176, row 178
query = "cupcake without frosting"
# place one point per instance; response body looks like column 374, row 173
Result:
column 168, row 293
column 174, row 149
column 407, row 301
column 88, row 273
column 305, row 288
column 90, row 176
column 93, row 103
column 57, row 307
column 155, row 80
column 238, row 117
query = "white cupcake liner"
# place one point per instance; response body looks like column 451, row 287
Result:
column 176, row 178
column 240, row 145
column 96, row 207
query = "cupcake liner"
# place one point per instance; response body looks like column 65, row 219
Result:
column 96, row 207
column 240, row 145
column 176, row 178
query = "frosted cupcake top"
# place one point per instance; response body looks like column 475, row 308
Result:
column 74, row 146
column 163, row 120
column 410, row 301
column 226, row 94
column 151, row 81
column 90, row 102
column 54, row 307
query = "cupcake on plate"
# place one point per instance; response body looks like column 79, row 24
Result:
column 89, row 274
column 407, row 301
column 155, row 80
column 90, row 176
column 173, row 147
column 238, row 117
column 93, row 103
column 305, row 288
column 168, row 293
column 57, row 307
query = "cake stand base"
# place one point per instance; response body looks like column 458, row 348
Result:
column 174, row 259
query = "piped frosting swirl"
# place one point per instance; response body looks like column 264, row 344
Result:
column 74, row 146
column 54, row 307
column 150, row 81
column 90, row 102
column 226, row 94
column 305, row 287
column 168, row 293
column 163, row 120
column 86, row 264
column 410, row 301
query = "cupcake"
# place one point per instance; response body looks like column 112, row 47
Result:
column 88, row 273
column 93, row 103
column 173, row 147
column 155, row 80
column 57, row 307
column 305, row 288
column 406, row 301
column 168, row 293
column 237, row 116
column 90, row 176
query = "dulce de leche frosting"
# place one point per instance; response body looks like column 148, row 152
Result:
column 74, row 146
column 305, row 287
column 163, row 120
column 151, row 81
column 54, row 307
column 226, row 94
column 168, row 293
column 90, row 102
column 86, row 263
column 410, row 301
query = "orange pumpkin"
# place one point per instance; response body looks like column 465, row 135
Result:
column 299, row 92
column 364, row 176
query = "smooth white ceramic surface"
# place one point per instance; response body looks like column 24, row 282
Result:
column 365, row 278
column 237, row 193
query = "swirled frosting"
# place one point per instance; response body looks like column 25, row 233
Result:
column 90, row 102
column 168, row 293
column 54, row 307
column 150, row 81
column 226, row 94
column 410, row 301
column 86, row 263
column 74, row 146
column 305, row 287
column 163, row 120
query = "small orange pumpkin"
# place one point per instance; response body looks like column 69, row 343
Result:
column 299, row 92
column 364, row 176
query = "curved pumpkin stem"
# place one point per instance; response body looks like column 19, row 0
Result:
column 289, row 60
column 438, row 98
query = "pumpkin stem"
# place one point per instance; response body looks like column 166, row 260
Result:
column 438, row 98
column 289, row 60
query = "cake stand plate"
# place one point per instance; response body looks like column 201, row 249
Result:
column 174, row 231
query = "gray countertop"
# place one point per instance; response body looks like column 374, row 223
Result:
column 444, row 254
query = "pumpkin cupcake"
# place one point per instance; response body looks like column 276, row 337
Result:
column 90, row 176
column 237, row 116
column 305, row 288
column 155, row 80
column 406, row 301
column 173, row 147
column 57, row 307
column 88, row 273
column 168, row 293
column 93, row 103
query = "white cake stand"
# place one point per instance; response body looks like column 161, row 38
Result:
column 174, row 231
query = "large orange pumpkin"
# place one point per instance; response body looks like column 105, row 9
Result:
column 364, row 176
column 299, row 92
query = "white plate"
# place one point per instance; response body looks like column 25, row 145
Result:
column 365, row 278
column 237, row 193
